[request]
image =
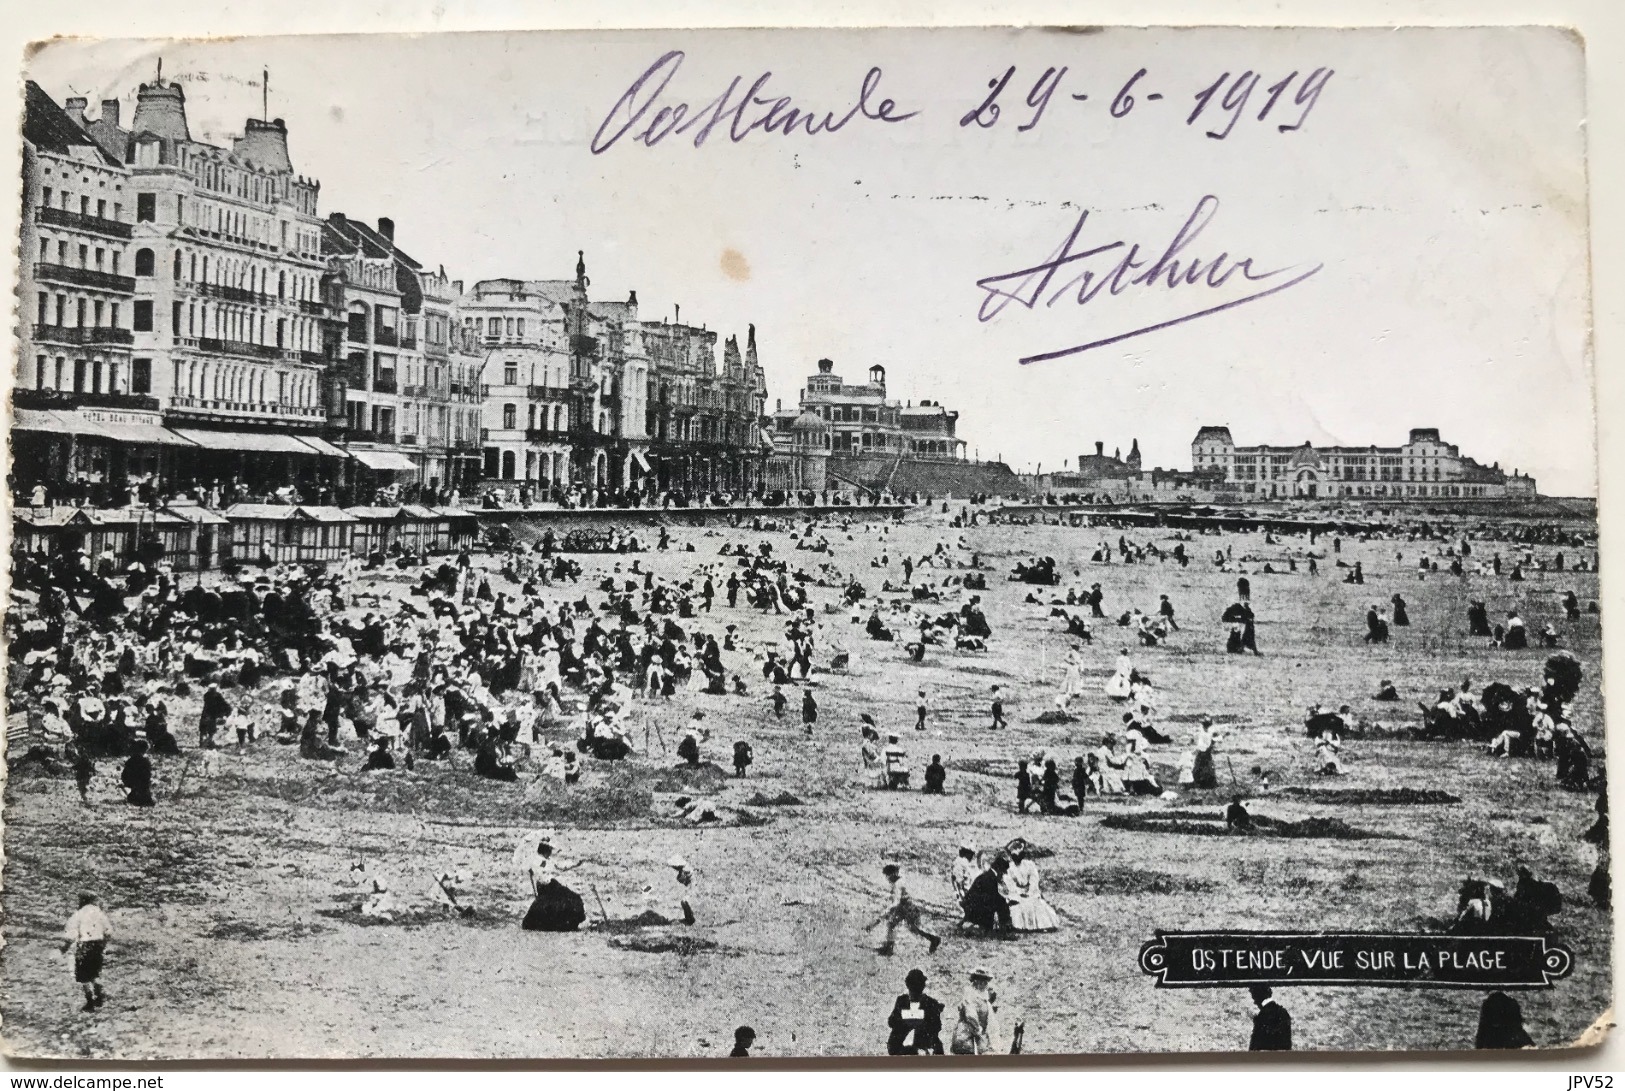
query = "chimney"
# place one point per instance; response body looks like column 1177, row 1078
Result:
column 75, row 108
column 386, row 228
column 110, row 112
column 264, row 144
column 1100, row 448
column 632, row 298
column 336, row 219
column 677, row 314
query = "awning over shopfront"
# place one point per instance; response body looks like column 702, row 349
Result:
column 57, row 421
column 147, row 433
column 643, row 463
column 322, row 447
column 383, row 460
column 260, row 442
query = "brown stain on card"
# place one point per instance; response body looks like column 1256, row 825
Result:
column 734, row 265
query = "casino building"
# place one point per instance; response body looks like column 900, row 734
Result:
column 1425, row 467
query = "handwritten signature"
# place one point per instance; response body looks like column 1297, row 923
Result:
column 1135, row 268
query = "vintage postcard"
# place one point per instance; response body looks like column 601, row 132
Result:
column 804, row 543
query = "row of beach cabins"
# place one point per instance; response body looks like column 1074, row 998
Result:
column 195, row 538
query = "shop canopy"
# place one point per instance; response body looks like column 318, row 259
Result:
column 273, row 443
column 321, row 446
column 57, row 421
column 383, row 460
column 147, row 433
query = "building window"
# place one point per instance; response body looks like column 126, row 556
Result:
column 146, row 207
column 140, row 376
column 510, row 416
column 510, row 374
column 143, row 316
column 144, row 262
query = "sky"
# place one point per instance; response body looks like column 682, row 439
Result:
column 1417, row 244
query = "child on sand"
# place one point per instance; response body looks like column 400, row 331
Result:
column 87, row 932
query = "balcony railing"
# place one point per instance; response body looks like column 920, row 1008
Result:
column 409, row 439
column 485, row 435
column 307, row 357
column 366, row 435
column 85, row 278
column 84, row 335
column 407, row 341
column 312, row 306
column 414, row 390
column 69, row 399
column 384, row 383
column 547, row 393
column 79, row 221
column 547, row 435
column 231, row 294
column 189, row 405
column 236, row 348
column 385, row 336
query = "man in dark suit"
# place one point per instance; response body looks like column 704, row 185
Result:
column 915, row 1021
column 1272, row 1026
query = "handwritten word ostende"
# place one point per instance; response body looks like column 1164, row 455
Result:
column 1172, row 268
column 741, row 114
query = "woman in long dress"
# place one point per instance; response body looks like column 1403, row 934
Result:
column 1203, row 772
column 1118, row 686
column 1072, row 681
column 973, row 1023
column 1029, row 912
column 555, row 907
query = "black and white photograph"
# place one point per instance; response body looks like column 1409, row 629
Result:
column 804, row 543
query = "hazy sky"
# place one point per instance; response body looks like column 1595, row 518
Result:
column 1437, row 182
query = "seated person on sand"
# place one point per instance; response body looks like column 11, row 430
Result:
column 1236, row 816
column 1138, row 780
column 492, row 763
column 554, row 907
column 984, row 903
column 1327, row 750
column 896, row 762
column 1386, row 691
column 1029, row 912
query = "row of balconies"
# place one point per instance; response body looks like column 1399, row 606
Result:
column 82, row 335
column 84, row 278
column 408, row 439
column 223, row 405
column 230, row 347
column 82, row 399
column 79, row 221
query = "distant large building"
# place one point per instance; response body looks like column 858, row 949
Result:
column 1425, row 467
column 863, row 422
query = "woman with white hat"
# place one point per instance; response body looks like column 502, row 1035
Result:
column 973, row 1029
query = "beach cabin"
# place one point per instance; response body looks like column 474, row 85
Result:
column 210, row 540
column 290, row 533
column 376, row 529
column 95, row 530
column 419, row 527
column 456, row 529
